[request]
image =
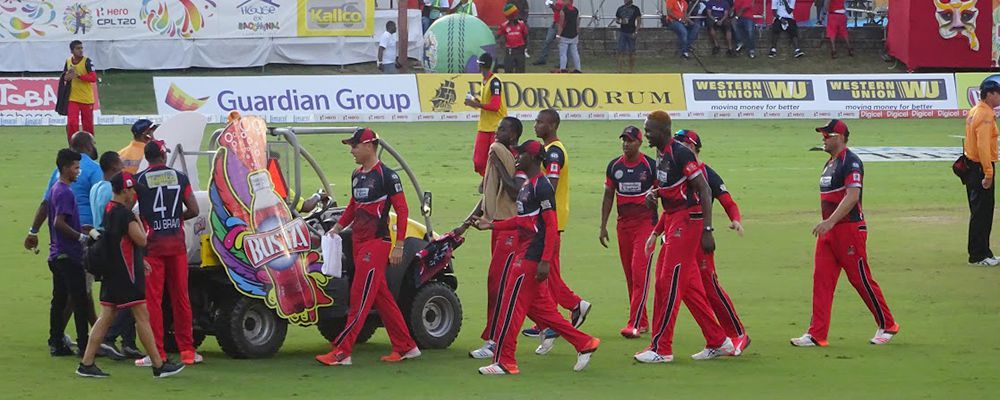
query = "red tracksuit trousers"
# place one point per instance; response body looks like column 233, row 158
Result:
column 502, row 259
column 561, row 293
column 725, row 312
column 632, row 235
column 525, row 296
column 369, row 289
column 75, row 113
column 171, row 271
column 677, row 280
column 844, row 248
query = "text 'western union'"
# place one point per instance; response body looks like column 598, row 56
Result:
column 896, row 89
column 753, row 90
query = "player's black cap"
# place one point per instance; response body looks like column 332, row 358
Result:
column 688, row 136
column 631, row 133
column 121, row 181
column 361, row 135
column 143, row 126
column 834, row 127
column 155, row 148
column 485, row 60
column 990, row 84
column 531, row 147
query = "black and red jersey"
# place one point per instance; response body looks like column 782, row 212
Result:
column 535, row 221
column 720, row 193
column 631, row 181
column 161, row 191
column 676, row 166
column 124, row 256
column 843, row 171
column 372, row 192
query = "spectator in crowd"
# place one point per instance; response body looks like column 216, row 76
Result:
column 784, row 21
column 79, row 74
column 514, row 33
column 569, row 37
column 522, row 9
column 467, row 7
column 629, row 19
column 717, row 16
column 387, row 48
column 123, row 285
column 66, row 238
column 433, row 10
column 743, row 27
column 553, row 31
column 820, row 11
column 678, row 20
column 836, row 27
column 980, row 148
column 133, row 154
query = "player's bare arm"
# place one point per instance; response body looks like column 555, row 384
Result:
column 508, row 183
column 64, row 229
column 191, row 207
column 700, row 186
column 609, row 200
column 136, row 233
column 31, row 241
column 844, row 208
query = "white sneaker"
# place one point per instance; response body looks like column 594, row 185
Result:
column 805, row 340
column 413, row 353
column 486, row 351
column 987, row 262
column 651, row 357
column 546, row 346
column 727, row 349
column 144, row 362
column 495, row 369
column 582, row 360
column 579, row 314
column 883, row 337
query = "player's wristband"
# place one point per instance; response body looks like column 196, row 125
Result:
column 32, row 232
column 709, row 229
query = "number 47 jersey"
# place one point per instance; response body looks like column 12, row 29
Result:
column 161, row 191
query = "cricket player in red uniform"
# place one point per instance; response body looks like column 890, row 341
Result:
column 557, row 171
column 497, row 203
column 374, row 188
column 628, row 179
column 527, row 293
column 725, row 311
column 841, row 242
column 165, row 202
column 687, row 214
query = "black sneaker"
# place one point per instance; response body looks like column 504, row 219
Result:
column 167, row 369
column 715, row 50
column 61, row 350
column 686, row 55
column 799, row 53
column 91, row 371
column 753, row 54
column 132, row 353
column 579, row 314
column 739, row 47
column 772, row 53
column 730, row 53
column 540, row 62
column 111, row 351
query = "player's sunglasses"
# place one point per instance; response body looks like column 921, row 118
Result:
column 827, row 135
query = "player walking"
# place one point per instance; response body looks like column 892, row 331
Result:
column 492, row 108
column 499, row 195
column 536, row 252
column 725, row 312
column 375, row 187
column 687, row 219
column 165, row 202
column 629, row 178
column 841, row 242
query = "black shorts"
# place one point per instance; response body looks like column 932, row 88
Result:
column 122, row 288
column 780, row 24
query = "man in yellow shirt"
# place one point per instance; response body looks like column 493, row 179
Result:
column 981, row 150
column 79, row 73
column 133, row 154
column 556, row 163
column 492, row 108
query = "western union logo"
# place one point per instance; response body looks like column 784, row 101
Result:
column 887, row 89
column 753, row 90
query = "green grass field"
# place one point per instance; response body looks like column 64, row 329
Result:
column 917, row 214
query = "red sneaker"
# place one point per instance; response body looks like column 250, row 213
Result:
column 396, row 357
column 191, row 357
column 741, row 343
column 630, row 332
column 335, row 357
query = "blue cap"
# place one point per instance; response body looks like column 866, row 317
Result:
column 990, row 84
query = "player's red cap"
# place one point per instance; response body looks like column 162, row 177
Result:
column 688, row 136
column 631, row 133
column 361, row 135
column 531, row 147
column 835, row 127
column 121, row 181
